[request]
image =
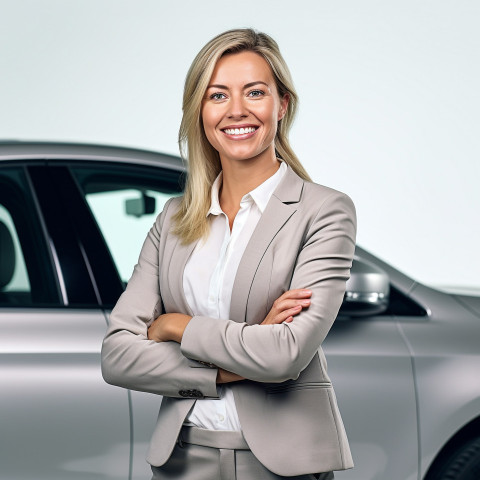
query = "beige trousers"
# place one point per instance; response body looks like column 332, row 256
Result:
column 218, row 455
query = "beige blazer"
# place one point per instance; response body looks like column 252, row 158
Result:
column 304, row 239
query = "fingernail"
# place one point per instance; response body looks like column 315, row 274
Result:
column 305, row 302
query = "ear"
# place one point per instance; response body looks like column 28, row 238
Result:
column 283, row 106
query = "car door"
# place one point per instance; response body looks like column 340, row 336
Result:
column 371, row 369
column 58, row 419
column 125, row 200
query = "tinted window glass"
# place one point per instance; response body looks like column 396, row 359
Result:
column 26, row 276
column 13, row 272
column 125, row 204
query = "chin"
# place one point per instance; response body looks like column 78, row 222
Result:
column 239, row 156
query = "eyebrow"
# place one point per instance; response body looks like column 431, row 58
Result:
column 248, row 85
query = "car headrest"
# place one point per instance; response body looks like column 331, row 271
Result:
column 7, row 255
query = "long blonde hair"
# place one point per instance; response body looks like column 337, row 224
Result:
column 191, row 221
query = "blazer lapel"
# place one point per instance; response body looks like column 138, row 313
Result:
column 280, row 208
column 180, row 255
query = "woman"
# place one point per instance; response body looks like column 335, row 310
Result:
column 237, row 285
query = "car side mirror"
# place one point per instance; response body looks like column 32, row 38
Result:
column 367, row 292
column 137, row 207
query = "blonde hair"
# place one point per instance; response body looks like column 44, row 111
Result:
column 191, row 221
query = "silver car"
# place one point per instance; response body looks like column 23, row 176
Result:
column 404, row 358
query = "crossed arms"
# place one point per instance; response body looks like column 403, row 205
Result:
column 149, row 351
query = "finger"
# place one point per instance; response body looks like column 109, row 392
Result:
column 282, row 316
column 296, row 293
column 291, row 303
column 290, row 299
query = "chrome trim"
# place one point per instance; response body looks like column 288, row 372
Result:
column 89, row 270
column 58, row 268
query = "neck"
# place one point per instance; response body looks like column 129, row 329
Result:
column 242, row 177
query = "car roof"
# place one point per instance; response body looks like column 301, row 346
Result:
column 11, row 150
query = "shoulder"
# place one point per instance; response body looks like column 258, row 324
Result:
column 307, row 195
column 319, row 199
column 327, row 210
column 172, row 205
column 170, row 208
column 313, row 201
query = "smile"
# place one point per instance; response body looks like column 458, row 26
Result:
column 239, row 131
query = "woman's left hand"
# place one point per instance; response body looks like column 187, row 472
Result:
column 168, row 327
column 288, row 305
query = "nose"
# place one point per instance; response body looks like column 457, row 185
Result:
column 237, row 107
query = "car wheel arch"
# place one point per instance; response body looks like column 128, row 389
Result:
column 452, row 447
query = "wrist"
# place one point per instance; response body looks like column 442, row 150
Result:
column 178, row 327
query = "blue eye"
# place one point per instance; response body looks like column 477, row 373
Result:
column 256, row 93
column 217, row 96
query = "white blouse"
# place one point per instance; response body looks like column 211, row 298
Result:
column 208, row 281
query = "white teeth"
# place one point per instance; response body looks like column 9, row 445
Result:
column 239, row 131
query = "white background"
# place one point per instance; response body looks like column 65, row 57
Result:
column 389, row 91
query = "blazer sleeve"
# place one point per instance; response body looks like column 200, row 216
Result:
column 276, row 353
column 129, row 358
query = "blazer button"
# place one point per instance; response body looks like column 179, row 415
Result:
column 206, row 364
column 191, row 393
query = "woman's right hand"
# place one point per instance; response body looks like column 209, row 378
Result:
column 224, row 376
column 286, row 306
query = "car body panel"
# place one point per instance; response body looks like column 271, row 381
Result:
column 470, row 302
column 59, row 420
column 145, row 407
column 371, row 370
column 445, row 349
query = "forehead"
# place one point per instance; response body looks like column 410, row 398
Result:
column 241, row 68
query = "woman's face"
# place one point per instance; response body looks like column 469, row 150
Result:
column 241, row 108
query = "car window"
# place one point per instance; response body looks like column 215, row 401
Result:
column 124, row 232
column 13, row 274
column 26, row 276
column 125, row 205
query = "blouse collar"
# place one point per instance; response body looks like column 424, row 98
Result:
column 260, row 195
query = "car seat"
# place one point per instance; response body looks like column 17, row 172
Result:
column 7, row 260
